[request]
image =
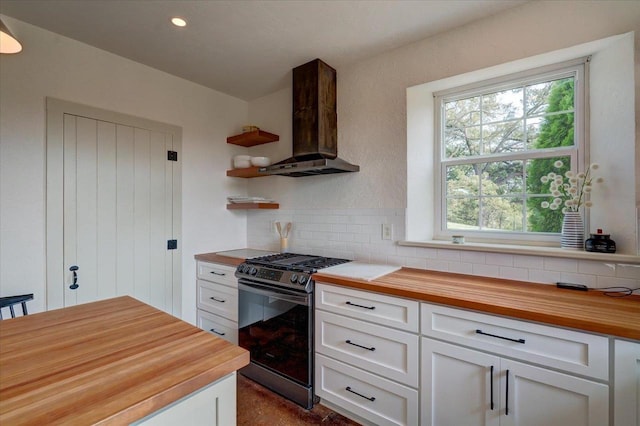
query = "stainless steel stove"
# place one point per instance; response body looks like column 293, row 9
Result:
column 276, row 321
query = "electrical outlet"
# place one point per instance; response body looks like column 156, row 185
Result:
column 387, row 231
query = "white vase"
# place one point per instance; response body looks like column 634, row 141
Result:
column 572, row 237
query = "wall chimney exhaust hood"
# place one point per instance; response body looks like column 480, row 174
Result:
column 315, row 131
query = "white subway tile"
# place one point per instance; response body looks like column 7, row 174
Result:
column 544, row 277
column 529, row 262
column 499, row 259
column 603, row 282
column 415, row 262
column 624, row 270
column 451, row 255
column 395, row 260
column 426, row 252
column 510, row 273
column 486, row 270
column 461, row 268
column 355, row 229
column 584, row 279
column 362, row 238
column 559, row 264
column 473, row 256
column 438, row 265
column 595, row 267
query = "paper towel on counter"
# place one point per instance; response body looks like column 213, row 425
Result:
column 360, row 270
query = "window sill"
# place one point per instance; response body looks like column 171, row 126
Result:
column 526, row 250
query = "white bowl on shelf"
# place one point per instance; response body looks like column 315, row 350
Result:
column 241, row 161
column 260, row 161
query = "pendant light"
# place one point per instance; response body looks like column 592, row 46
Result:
column 8, row 43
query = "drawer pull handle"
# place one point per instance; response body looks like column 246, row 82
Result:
column 360, row 346
column 370, row 398
column 506, row 397
column 361, row 306
column 217, row 300
column 491, row 390
column 218, row 273
column 500, row 337
column 220, row 333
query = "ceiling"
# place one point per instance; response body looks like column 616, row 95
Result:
column 247, row 48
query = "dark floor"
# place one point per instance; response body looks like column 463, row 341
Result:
column 259, row 406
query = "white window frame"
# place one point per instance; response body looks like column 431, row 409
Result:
column 578, row 153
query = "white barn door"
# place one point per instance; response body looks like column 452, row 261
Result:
column 109, row 224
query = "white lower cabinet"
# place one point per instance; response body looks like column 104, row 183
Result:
column 217, row 300
column 479, row 369
column 626, row 394
column 213, row 405
column 366, row 360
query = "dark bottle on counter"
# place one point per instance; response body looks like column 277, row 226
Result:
column 600, row 243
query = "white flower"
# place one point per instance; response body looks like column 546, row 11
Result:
column 544, row 179
column 570, row 192
column 581, row 175
column 558, row 164
column 569, row 174
column 573, row 190
column 595, row 166
column 544, row 204
column 587, row 188
column 557, row 201
column 568, row 203
column 556, row 193
column 588, row 203
column 573, row 180
column 551, row 175
column 553, row 207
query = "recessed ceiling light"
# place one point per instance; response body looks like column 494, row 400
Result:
column 178, row 22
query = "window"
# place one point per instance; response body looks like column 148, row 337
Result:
column 494, row 142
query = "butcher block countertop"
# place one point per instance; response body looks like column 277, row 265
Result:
column 584, row 310
column 108, row 362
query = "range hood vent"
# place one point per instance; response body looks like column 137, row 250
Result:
column 315, row 131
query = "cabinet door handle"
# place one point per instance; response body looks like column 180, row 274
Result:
column 491, row 388
column 500, row 337
column 217, row 300
column 218, row 273
column 370, row 398
column 219, row 333
column 506, row 398
column 360, row 346
column 361, row 306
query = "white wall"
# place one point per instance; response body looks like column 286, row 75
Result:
column 372, row 94
column 52, row 65
column 372, row 120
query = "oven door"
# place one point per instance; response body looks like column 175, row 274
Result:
column 276, row 326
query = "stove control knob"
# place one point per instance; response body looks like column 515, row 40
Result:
column 239, row 268
column 245, row 268
column 294, row 278
column 253, row 271
column 302, row 280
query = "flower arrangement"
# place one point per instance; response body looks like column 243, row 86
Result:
column 570, row 191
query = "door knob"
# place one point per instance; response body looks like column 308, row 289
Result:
column 75, row 285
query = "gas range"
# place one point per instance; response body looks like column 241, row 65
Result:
column 289, row 270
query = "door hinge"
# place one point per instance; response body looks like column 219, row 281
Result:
column 172, row 156
column 172, row 244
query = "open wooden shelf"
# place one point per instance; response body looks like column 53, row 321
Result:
column 249, row 172
column 257, row 137
column 248, row 206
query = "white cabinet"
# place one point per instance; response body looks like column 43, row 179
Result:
column 626, row 394
column 367, row 354
column 213, row 405
column 466, row 386
column 217, row 300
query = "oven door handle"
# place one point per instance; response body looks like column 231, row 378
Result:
column 276, row 294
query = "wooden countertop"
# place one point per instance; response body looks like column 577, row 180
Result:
column 108, row 362
column 589, row 311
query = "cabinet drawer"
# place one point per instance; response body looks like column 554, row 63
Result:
column 217, row 273
column 373, row 307
column 221, row 327
column 218, row 299
column 378, row 400
column 571, row 351
column 384, row 351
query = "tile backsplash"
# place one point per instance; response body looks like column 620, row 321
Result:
column 357, row 234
